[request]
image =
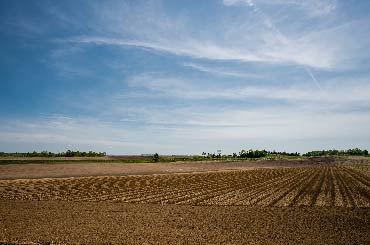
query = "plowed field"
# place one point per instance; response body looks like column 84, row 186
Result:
column 331, row 186
column 315, row 201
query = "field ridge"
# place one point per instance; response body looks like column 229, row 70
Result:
column 330, row 186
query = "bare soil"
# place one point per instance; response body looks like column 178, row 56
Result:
column 322, row 201
column 57, row 170
column 103, row 158
column 330, row 186
column 62, row 222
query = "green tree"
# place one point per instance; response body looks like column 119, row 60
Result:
column 156, row 157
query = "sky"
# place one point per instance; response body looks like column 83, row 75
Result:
column 183, row 77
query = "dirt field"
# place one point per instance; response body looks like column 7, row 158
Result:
column 126, row 223
column 322, row 201
column 57, row 170
column 330, row 186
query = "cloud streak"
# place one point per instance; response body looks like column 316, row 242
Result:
column 191, row 48
column 265, row 128
column 220, row 71
column 293, row 52
column 313, row 8
column 313, row 79
column 341, row 94
column 253, row 37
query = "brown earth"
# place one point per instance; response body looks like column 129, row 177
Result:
column 62, row 222
column 104, row 158
column 324, row 201
column 331, row 186
column 57, row 170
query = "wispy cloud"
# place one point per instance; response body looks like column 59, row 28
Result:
column 313, row 8
column 300, row 52
column 190, row 47
column 339, row 94
column 277, row 128
column 221, row 71
column 60, row 133
column 251, row 37
column 313, row 78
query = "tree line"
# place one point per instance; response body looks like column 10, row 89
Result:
column 67, row 153
column 349, row 152
column 243, row 154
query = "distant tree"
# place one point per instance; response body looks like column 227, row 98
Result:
column 352, row 152
column 156, row 157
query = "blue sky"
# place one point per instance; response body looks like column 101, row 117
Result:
column 175, row 77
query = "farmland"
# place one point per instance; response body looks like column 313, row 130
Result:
column 334, row 191
column 330, row 186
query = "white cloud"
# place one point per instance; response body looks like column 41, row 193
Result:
column 61, row 133
column 330, row 94
column 235, row 2
column 301, row 52
column 313, row 8
column 220, row 71
column 256, row 36
column 190, row 47
column 176, row 131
